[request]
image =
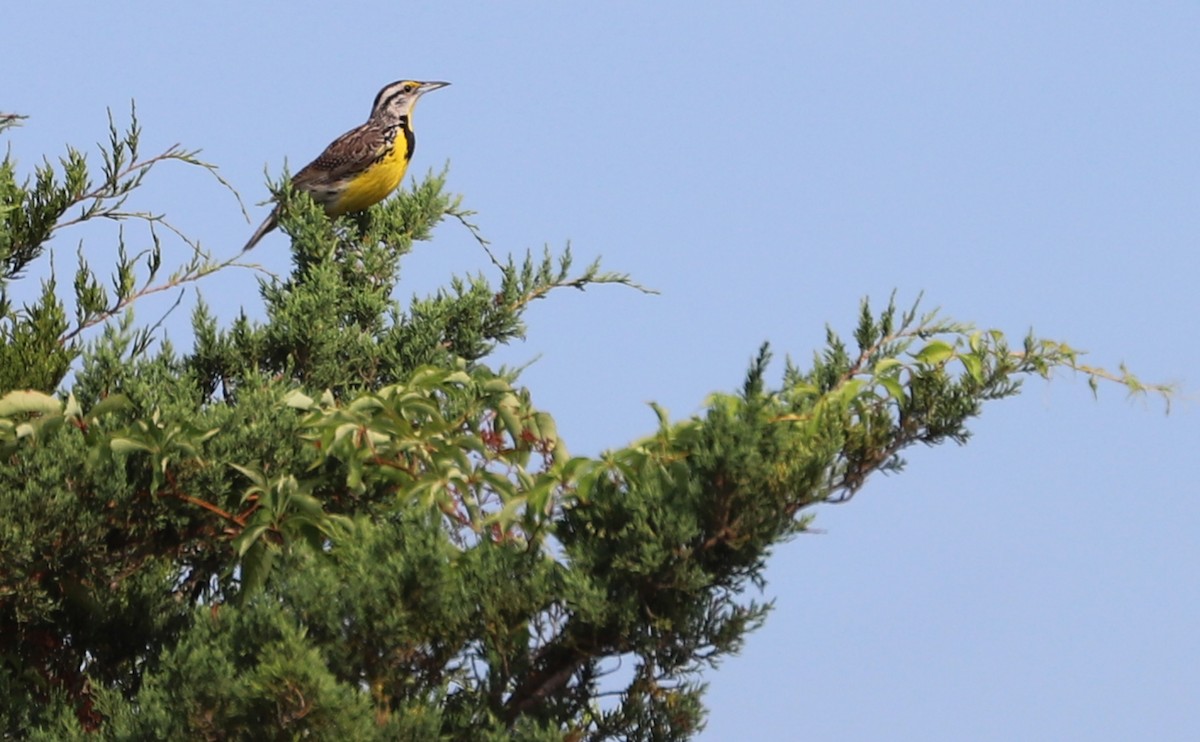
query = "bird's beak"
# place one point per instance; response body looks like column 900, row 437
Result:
column 427, row 86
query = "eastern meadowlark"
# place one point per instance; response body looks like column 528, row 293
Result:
column 361, row 167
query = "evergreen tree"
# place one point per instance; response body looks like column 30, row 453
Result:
column 342, row 523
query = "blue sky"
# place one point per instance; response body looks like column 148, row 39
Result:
column 766, row 165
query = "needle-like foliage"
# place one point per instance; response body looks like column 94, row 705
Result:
column 340, row 522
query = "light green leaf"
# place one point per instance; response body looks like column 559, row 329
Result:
column 935, row 352
column 128, row 445
column 27, row 401
column 973, row 365
column 894, row 389
column 110, row 404
column 886, row 365
column 298, row 400
column 494, row 386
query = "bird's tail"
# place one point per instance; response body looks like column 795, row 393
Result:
column 270, row 223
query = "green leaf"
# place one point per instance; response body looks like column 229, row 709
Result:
column 973, row 366
column 28, row 401
column 256, row 566
column 511, row 423
column 307, row 505
column 935, row 352
column 249, row 537
column 110, row 404
column 299, row 400
column 894, row 389
column 496, row 385
column 128, row 445
column 555, row 446
column 254, row 475
column 887, row 364
column 72, row 407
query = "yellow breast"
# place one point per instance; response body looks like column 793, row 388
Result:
column 376, row 182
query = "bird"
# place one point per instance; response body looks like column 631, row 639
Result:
column 363, row 166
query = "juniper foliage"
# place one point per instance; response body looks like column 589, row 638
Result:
column 341, row 522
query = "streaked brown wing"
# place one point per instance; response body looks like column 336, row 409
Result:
column 349, row 153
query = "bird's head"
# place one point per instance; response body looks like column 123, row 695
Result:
column 396, row 100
